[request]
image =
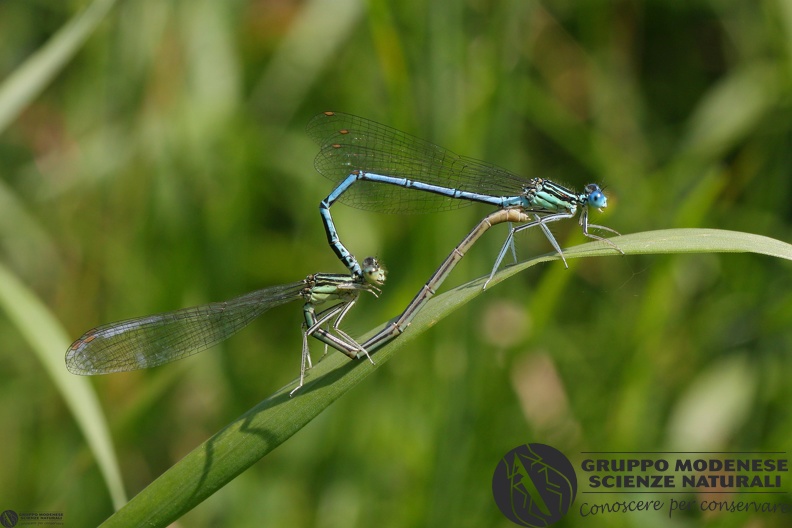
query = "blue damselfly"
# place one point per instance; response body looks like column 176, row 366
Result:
column 379, row 168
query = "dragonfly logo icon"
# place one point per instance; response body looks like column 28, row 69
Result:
column 534, row 485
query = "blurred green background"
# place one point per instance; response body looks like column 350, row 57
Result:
column 167, row 165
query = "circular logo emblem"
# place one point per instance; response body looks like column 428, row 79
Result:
column 9, row 518
column 534, row 485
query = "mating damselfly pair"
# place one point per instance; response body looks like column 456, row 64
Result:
column 376, row 168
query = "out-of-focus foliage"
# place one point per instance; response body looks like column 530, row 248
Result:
column 167, row 166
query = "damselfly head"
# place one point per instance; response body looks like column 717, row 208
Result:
column 595, row 197
column 374, row 272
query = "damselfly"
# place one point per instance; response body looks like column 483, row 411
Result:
column 372, row 163
column 154, row 340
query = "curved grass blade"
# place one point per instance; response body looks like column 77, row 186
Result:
column 250, row 437
column 47, row 339
column 33, row 319
column 30, row 79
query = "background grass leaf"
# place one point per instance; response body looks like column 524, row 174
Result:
column 49, row 342
column 42, row 330
column 33, row 76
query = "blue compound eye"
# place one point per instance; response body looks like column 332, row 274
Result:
column 596, row 198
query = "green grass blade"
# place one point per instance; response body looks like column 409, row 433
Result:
column 304, row 52
column 270, row 423
column 49, row 342
column 28, row 81
column 670, row 241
